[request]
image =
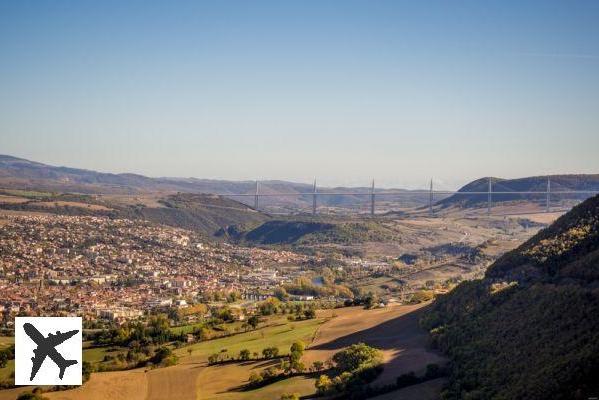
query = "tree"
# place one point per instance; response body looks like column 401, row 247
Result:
column 203, row 333
column 357, row 356
column 31, row 396
column 317, row 366
column 323, row 384
column 253, row 321
column 3, row 359
column 87, row 370
column 269, row 373
column 244, row 355
column 226, row 314
column 255, row 379
column 161, row 354
column 164, row 356
column 310, row 313
column 269, row 306
column 270, row 352
column 370, row 301
column 233, row 296
column 298, row 347
column 281, row 294
column 295, row 354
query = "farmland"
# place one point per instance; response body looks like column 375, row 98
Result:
column 393, row 329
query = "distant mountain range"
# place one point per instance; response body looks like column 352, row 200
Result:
column 18, row 173
column 558, row 183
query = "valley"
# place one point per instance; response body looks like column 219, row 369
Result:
column 198, row 296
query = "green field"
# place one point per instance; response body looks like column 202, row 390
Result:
column 281, row 336
column 186, row 328
column 230, row 327
column 96, row 354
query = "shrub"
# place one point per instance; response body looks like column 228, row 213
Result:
column 244, row 355
column 270, row 352
column 323, row 384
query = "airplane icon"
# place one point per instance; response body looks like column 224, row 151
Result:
column 46, row 347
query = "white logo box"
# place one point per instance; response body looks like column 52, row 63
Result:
column 69, row 353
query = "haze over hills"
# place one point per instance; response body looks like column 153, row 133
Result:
column 529, row 329
column 19, row 173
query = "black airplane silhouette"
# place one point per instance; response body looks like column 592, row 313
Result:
column 46, row 347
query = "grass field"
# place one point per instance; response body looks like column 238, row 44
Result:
column 281, row 335
column 186, row 328
column 96, row 354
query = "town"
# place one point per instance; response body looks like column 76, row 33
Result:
column 120, row 269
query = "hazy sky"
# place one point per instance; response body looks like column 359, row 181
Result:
column 344, row 91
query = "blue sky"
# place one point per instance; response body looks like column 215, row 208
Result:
column 343, row 91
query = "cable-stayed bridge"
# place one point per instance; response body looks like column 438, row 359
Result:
column 373, row 195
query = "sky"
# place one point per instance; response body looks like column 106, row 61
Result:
column 341, row 91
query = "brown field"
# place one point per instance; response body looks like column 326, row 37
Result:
column 393, row 329
column 148, row 200
column 52, row 204
column 223, row 383
column 130, row 385
column 25, row 213
column 12, row 199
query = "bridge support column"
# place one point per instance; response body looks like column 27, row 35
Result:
column 314, row 199
column 256, row 195
column 430, row 200
column 372, row 199
column 548, row 200
column 490, row 196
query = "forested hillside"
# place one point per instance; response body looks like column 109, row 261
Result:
column 530, row 328
column 314, row 232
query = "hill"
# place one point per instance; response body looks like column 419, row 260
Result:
column 298, row 232
column 529, row 184
column 203, row 213
column 529, row 329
